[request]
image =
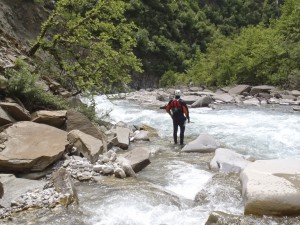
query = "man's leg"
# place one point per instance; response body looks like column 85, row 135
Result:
column 182, row 129
column 175, row 129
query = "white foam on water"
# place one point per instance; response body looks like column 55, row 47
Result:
column 132, row 209
column 186, row 180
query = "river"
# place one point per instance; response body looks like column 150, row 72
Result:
column 165, row 191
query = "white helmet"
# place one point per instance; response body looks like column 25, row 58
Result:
column 177, row 92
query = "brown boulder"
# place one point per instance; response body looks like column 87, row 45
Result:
column 78, row 121
column 27, row 146
column 52, row 118
column 89, row 146
column 16, row 111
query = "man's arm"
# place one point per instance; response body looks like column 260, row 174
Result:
column 168, row 108
column 186, row 110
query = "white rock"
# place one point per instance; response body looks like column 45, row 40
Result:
column 272, row 187
column 227, row 161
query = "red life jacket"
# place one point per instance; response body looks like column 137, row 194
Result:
column 176, row 103
column 176, row 107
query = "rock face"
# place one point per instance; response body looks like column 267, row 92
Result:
column 28, row 146
column 226, row 160
column 272, row 187
column 87, row 145
column 204, row 143
column 14, row 187
column 25, row 27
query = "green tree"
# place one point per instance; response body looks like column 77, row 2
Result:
column 289, row 27
column 91, row 42
column 170, row 32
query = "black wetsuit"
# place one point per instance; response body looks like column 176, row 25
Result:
column 178, row 110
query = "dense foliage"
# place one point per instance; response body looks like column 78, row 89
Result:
column 96, row 43
column 91, row 42
column 256, row 55
column 170, row 33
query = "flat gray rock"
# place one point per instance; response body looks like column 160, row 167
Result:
column 14, row 187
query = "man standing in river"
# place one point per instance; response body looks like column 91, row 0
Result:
column 179, row 112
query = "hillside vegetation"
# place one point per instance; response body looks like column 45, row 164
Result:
column 99, row 46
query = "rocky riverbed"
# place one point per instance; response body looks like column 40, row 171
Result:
column 81, row 162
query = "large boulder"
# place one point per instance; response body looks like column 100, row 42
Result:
column 138, row 158
column 27, row 146
column 52, row 118
column 87, row 145
column 203, row 101
column 14, row 187
column 228, row 161
column 78, row 121
column 16, row 111
column 203, row 143
column 272, row 187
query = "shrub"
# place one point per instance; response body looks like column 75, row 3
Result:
column 22, row 84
